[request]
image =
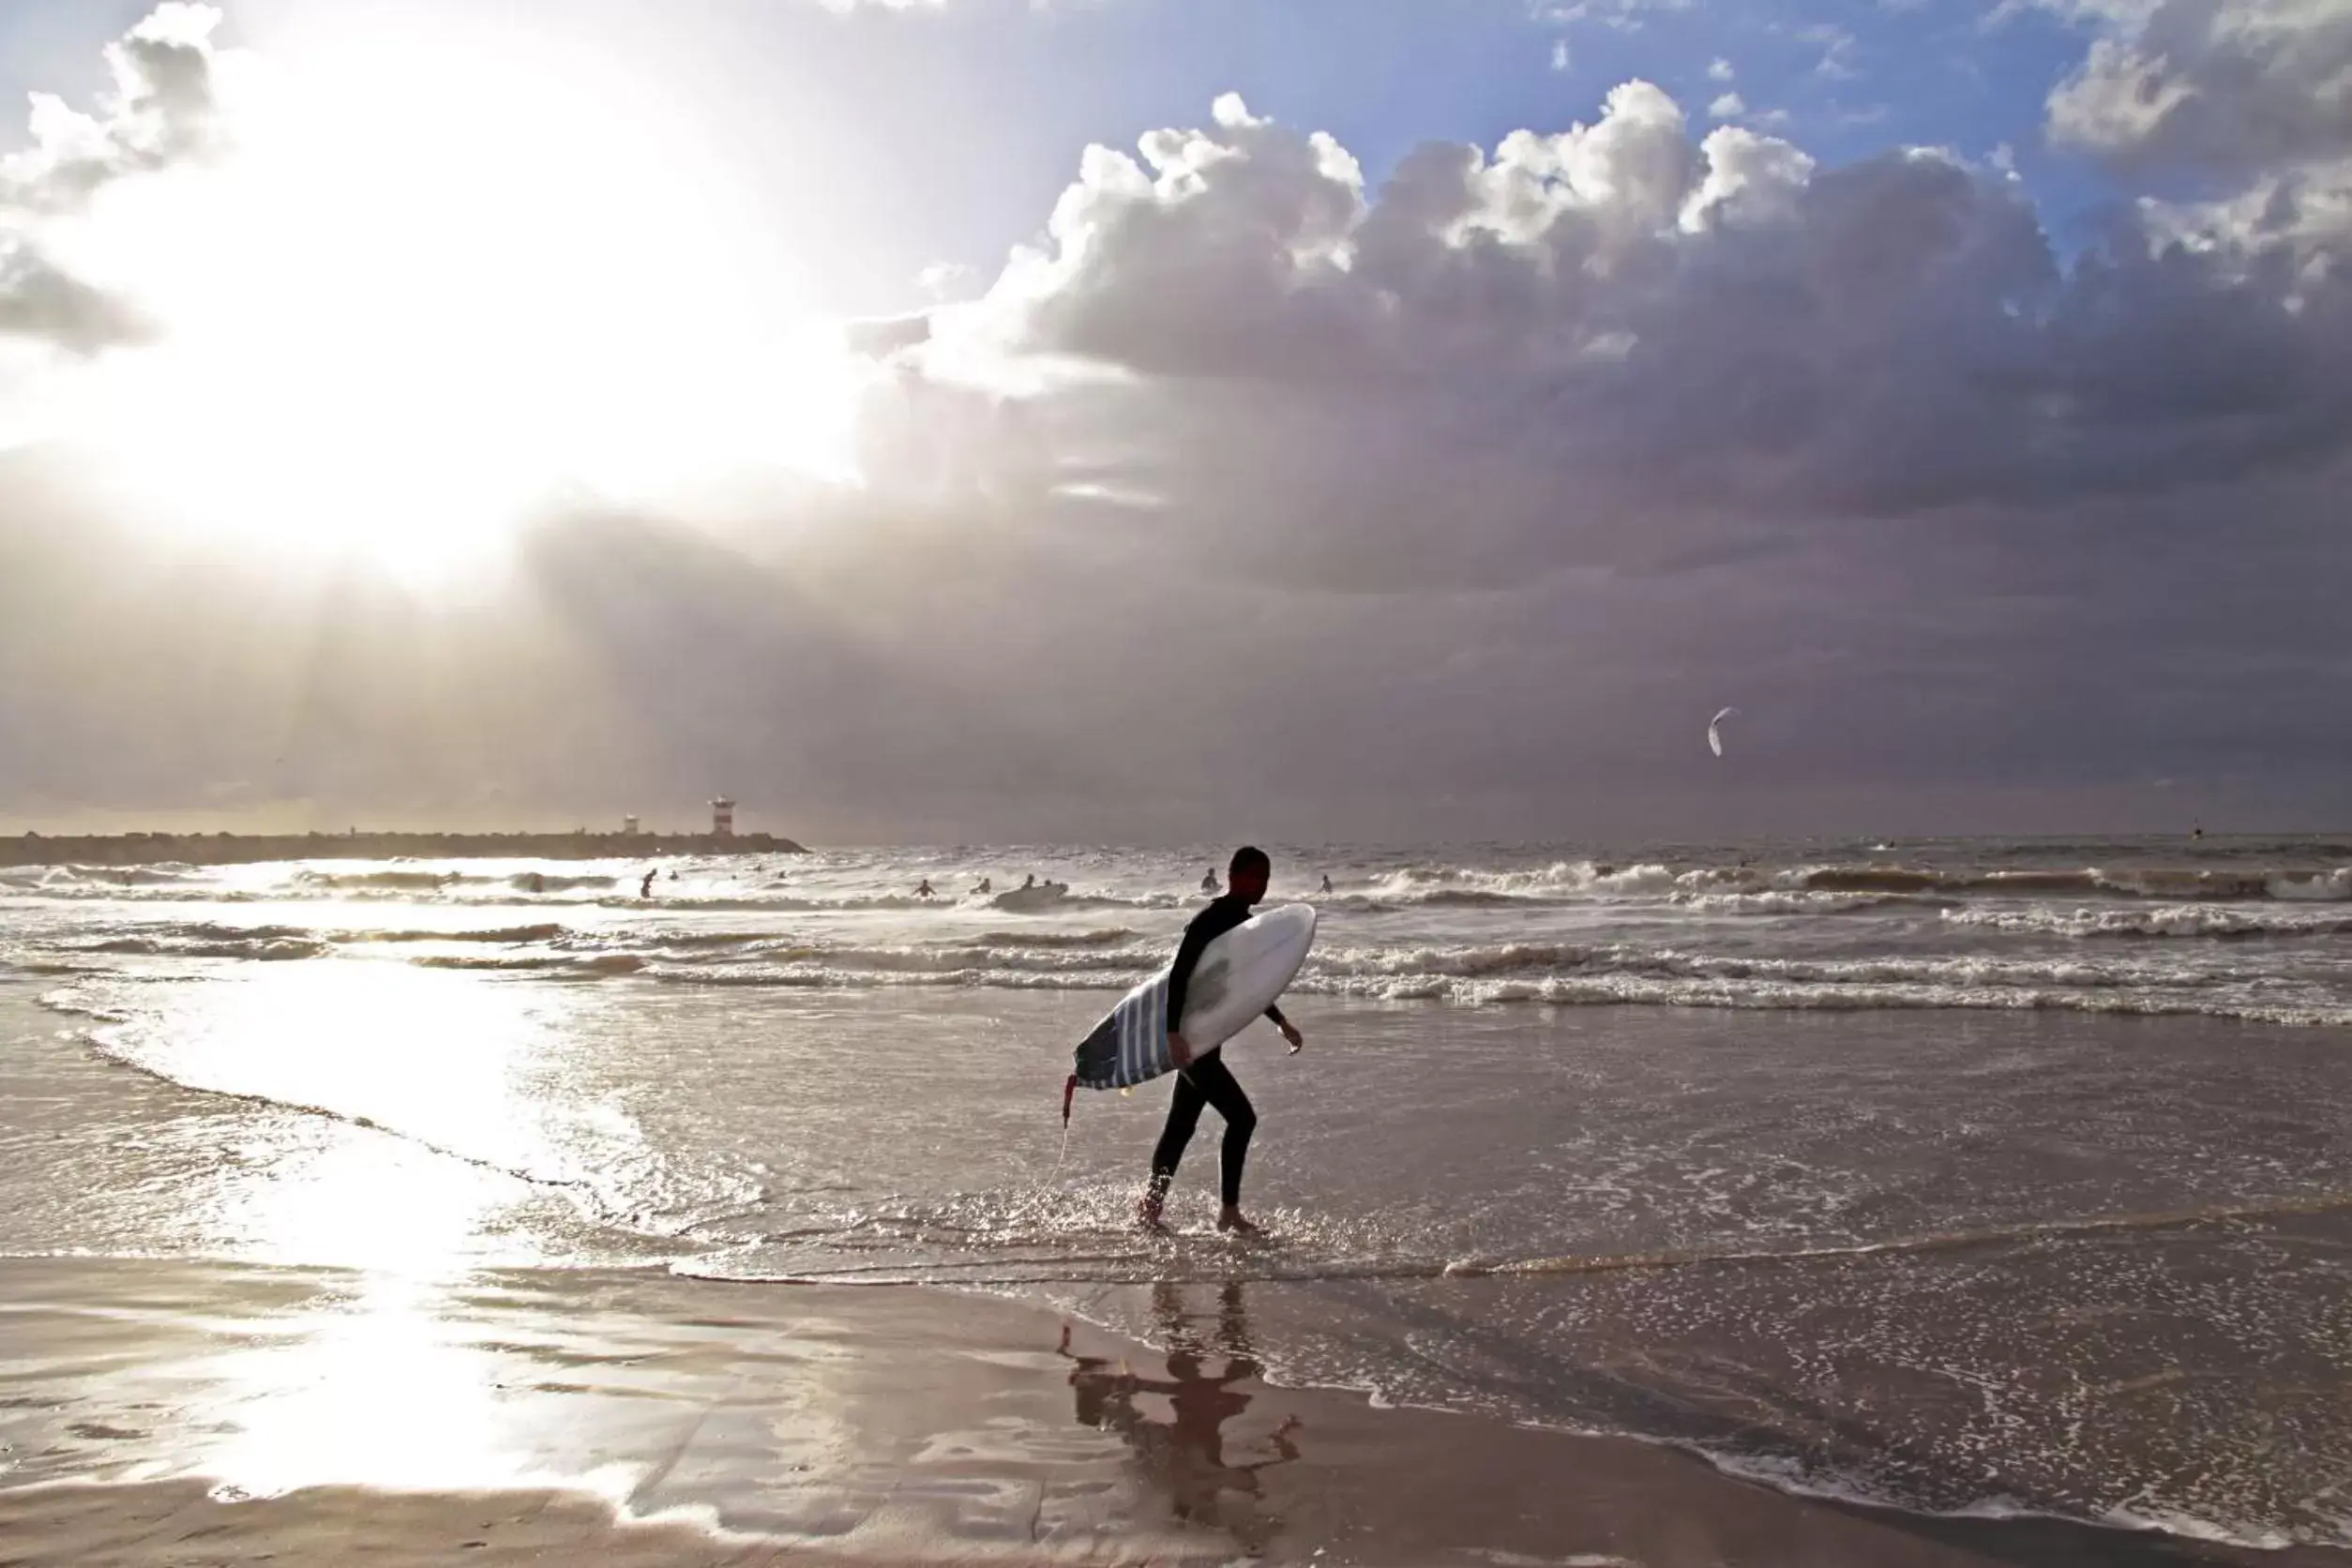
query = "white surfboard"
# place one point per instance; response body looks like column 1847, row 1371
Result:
column 1237, row 978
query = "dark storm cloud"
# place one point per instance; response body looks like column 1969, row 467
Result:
column 1509, row 359
column 1854, row 436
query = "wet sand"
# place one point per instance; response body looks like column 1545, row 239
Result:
column 180, row 1413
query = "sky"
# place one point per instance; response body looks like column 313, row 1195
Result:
column 1177, row 420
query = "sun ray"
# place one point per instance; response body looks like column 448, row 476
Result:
column 429, row 290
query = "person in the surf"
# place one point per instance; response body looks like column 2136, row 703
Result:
column 1209, row 882
column 645, row 888
column 924, row 890
column 1327, row 881
column 1204, row 1079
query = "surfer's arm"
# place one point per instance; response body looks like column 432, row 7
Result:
column 1290, row 1030
column 1198, row 936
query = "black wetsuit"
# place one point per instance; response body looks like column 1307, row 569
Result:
column 1206, row 1081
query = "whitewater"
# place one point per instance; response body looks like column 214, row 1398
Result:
column 2238, row 928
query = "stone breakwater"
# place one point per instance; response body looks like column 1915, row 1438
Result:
column 229, row 849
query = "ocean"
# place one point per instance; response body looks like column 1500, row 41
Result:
column 1958, row 1176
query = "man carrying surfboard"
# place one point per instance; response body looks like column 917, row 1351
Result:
column 1204, row 1079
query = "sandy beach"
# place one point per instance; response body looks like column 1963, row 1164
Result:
column 173, row 1413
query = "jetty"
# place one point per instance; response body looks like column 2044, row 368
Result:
column 236, row 849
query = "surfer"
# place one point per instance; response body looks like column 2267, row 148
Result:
column 985, row 888
column 1029, row 881
column 645, row 888
column 1209, row 882
column 1205, row 1079
column 1327, row 881
column 922, row 890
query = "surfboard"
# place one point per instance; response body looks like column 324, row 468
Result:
column 1238, row 977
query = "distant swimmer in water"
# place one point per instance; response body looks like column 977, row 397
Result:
column 923, row 889
column 985, row 888
column 1327, row 881
column 1204, row 1079
column 1029, row 881
column 539, row 883
column 2197, row 832
column 645, row 888
column 1209, row 882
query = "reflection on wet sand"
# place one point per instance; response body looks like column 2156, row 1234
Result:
column 1184, row 1455
column 836, row 1425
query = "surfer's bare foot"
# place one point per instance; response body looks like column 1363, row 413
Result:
column 1147, row 1215
column 1233, row 1222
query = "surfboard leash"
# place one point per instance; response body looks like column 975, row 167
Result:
column 1069, row 1090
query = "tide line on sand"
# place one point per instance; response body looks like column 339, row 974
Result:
column 204, row 1411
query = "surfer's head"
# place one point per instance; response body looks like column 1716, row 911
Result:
column 1245, row 879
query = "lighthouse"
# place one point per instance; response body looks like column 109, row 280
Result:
column 722, row 817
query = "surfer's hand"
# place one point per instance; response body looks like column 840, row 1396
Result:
column 1290, row 1033
column 1179, row 1049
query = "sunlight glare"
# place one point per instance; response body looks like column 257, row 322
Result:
column 433, row 288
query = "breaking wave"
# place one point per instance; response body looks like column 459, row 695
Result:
column 2184, row 920
column 2235, row 931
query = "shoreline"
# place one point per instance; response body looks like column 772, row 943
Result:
column 229, row 849
column 160, row 1411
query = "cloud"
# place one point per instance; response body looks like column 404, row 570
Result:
column 1560, row 54
column 2250, row 96
column 1625, row 16
column 2075, row 13
column 159, row 109
column 947, row 279
column 1589, row 418
column 39, row 300
column 2226, row 88
column 1837, row 50
column 1727, row 106
column 880, row 337
column 1719, row 70
column 1580, row 345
